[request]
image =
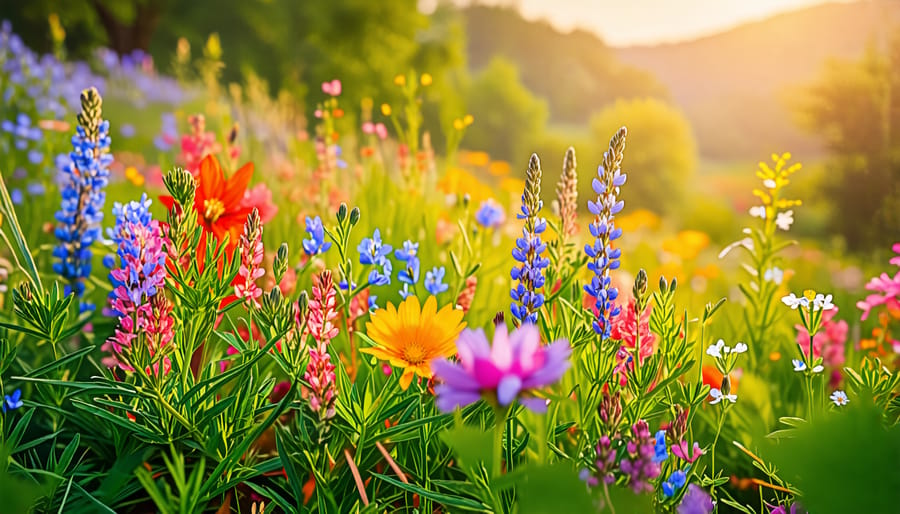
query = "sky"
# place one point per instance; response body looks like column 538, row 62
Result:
column 645, row 22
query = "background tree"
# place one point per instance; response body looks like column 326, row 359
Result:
column 855, row 108
column 661, row 156
column 510, row 118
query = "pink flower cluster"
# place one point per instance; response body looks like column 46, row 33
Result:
column 624, row 328
column 198, row 144
column 885, row 287
column 320, row 370
column 138, row 299
column 251, row 249
column 829, row 341
column 377, row 129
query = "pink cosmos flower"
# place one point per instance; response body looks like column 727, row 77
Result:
column 512, row 367
column 828, row 342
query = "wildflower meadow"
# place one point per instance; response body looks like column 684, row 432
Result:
column 219, row 298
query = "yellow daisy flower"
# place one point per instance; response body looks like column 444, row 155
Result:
column 411, row 336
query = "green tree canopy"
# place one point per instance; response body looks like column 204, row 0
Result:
column 508, row 117
column 661, row 156
column 855, row 108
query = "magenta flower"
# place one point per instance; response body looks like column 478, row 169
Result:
column 514, row 366
column 684, row 453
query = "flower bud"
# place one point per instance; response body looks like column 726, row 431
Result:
column 354, row 216
column 342, row 212
column 280, row 266
column 726, row 385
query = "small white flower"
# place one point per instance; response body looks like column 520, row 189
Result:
column 784, row 220
column 839, row 398
column 769, row 183
column 823, row 302
column 746, row 243
column 715, row 350
column 818, row 369
column 793, row 301
column 718, row 396
column 758, row 211
column 739, row 348
column 799, row 365
column 774, row 274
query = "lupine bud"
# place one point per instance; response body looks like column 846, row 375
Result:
column 181, row 185
column 279, row 267
column 354, row 216
column 342, row 212
column 726, row 385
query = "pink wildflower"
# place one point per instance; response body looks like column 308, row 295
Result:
column 198, row 144
column 886, row 288
column 512, row 367
column 251, row 249
column 624, row 328
column 320, row 370
column 260, row 197
column 332, row 88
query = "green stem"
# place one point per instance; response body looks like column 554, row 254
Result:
column 715, row 441
column 500, row 414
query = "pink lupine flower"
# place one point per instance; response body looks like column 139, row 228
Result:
column 138, row 298
column 251, row 250
column 320, row 370
column 624, row 328
column 828, row 342
column 512, row 367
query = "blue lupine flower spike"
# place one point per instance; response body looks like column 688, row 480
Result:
column 82, row 183
column 527, row 296
column 604, row 257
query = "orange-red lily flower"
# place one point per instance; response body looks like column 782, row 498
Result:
column 218, row 200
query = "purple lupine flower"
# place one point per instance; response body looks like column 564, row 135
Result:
column 603, row 466
column 527, row 298
column 137, row 297
column 512, row 367
column 639, row 464
column 316, row 243
column 490, row 214
column 695, row 501
column 604, row 257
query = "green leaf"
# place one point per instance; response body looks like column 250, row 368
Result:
column 444, row 499
column 553, row 489
column 472, row 446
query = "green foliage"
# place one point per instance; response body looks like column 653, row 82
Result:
column 662, row 153
column 853, row 109
column 576, row 73
column 509, row 116
column 844, row 462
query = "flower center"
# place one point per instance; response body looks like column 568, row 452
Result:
column 414, row 353
column 212, row 209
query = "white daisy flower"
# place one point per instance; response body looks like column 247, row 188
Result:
column 839, row 398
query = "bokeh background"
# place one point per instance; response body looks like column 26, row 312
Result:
column 707, row 88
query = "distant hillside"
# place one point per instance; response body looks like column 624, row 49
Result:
column 735, row 86
column 576, row 73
